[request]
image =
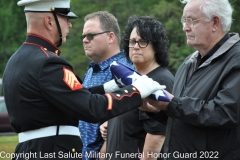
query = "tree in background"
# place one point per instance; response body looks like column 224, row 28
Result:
column 13, row 30
column 169, row 12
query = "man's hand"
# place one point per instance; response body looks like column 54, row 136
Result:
column 103, row 130
column 148, row 107
column 158, row 105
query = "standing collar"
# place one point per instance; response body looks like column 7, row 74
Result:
column 216, row 47
column 213, row 50
column 34, row 38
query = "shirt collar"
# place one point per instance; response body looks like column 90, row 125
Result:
column 105, row 64
column 213, row 50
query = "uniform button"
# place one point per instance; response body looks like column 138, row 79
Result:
column 56, row 51
column 45, row 49
column 73, row 150
column 118, row 95
column 126, row 91
column 134, row 89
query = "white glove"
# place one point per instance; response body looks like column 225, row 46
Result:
column 146, row 86
column 110, row 86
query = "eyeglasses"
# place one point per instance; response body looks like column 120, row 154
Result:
column 189, row 21
column 141, row 43
column 90, row 36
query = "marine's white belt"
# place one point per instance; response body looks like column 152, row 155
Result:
column 47, row 132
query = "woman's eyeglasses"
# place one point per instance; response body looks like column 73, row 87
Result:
column 141, row 43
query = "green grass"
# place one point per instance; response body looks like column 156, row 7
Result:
column 7, row 145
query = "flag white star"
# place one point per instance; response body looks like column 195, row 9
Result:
column 134, row 76
column 114, row 63
column 119, row 80
column 158, row 93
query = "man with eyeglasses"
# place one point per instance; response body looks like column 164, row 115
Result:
column 101, row 40
column 204, row 112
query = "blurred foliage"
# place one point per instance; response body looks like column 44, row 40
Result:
column 8, row 143
column 12, row 30
column 13, row 27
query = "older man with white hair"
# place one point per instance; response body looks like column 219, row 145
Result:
column 204, row 113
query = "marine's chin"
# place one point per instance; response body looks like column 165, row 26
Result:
column 64, row 40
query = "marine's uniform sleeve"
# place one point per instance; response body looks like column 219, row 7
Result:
column 60, row 87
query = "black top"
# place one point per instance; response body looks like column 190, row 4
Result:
column 127, row 132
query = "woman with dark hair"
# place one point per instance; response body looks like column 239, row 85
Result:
column 146, row 45
column 150, row 32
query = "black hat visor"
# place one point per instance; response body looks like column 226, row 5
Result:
column 66, row 12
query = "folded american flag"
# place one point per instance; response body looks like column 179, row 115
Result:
column 124, row 75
